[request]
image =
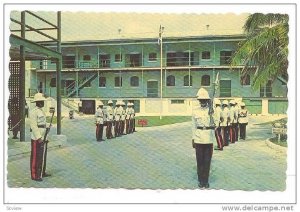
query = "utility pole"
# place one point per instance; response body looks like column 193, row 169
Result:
column 161, row 30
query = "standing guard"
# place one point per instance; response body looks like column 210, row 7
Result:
column 38, row 130
column 132, row 117
column 110, row 119
column 243, row 120
column 123, row 117
column 217, row 120
column 99, row 116
column 118, row 112
column 233, row 121
column 225, row 123
column 203, row 136
column 236, row 121
column 128, row 118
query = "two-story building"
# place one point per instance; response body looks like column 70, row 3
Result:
column 161, row 75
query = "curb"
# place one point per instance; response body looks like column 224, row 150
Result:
column 25, row 147
column 275, row 146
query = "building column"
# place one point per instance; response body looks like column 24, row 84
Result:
column 264, row 106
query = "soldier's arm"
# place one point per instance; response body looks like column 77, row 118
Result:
column 33, row 125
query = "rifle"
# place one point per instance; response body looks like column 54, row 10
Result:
column 48, row 128
column 211, row 106
column 45, row 142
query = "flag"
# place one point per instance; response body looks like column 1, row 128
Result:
column 159, row 35
column 217, row 80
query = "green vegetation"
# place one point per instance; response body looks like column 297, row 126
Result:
column 156, row 121
column 265, row 48
column 282, row 141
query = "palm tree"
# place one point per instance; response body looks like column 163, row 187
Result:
column 265, row 49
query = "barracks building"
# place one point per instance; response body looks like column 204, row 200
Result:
column 160, row 72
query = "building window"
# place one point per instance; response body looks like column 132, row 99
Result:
column 86, row 57
column 205, row 55
column 285, row 79
column 118, row 57
column 225, row 88
column 104, row 60
column 68, row 61
column 118, row 81
column 205, row 80
column 53, row 82
column 225, row 57
column 177, row 101
column 187, row 80
column 245, row 80
column 266, row 91
column 152, row 57
column 102, row 82
column 170, row 80
column 43, row 64
column 134, row 81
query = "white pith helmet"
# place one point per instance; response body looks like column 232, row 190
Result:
column 232, row 102
column 202, row 94
column 242, row 104
column 110, row 102
column 129, row 104
column 217, row 102
column 225, row 102
column 38, row 97
column 100, row 103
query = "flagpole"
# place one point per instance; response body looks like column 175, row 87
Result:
column 161, row 70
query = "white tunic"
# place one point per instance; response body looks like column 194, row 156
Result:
column 243, row 116
column 217, row 116
column 200, row 118
column 225, row 116
column 37, row 117
column 110, row 113
column 118, row 113
column 99, row 116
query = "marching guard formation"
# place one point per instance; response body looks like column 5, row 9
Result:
column 230, row 122
column 118, row 121
column 226, row 122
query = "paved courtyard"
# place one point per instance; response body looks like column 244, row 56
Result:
column 152, row 158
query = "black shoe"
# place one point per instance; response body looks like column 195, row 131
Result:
column 102, row 140
column 206, row 185
column 47, row 175
column 15, row 138
column 39, row 180
column 200, row 185
column 217, row 148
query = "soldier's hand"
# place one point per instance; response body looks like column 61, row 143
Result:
column 40, row 140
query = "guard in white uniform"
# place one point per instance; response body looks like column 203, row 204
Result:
column 225, row 123
column 118, row 113
column 37, row 118
column 243, row 120
column 110, row 119
column 99, row 119
column 233, row 121
column 128, row 118
column 123, row 117
column 203, row 136
column 132, row 117
column 217, row 120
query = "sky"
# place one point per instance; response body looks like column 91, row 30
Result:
column 77, row 26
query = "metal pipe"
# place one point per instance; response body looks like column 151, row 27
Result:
column 58, row 73
column 31, row 13
column 22, row 81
